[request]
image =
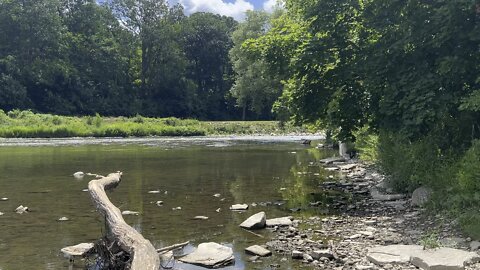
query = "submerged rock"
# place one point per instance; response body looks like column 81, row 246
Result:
column 154, row 192
column 254, row 222
column 63, row 219
column 258, row 250
column 210, row 255
column 3, row 199
column 79, row 175
column 200, row 218
column 1, row 213
column 79, row 250
column 159, row 203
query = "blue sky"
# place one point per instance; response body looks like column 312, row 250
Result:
column 234, row 8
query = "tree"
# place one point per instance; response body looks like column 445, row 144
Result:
column 254, row 88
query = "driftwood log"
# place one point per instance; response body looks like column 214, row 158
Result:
column 142, row 253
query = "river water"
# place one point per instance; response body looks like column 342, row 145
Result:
column 276, row 173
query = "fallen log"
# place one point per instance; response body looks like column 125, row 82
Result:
column 143, row 255
column 172, row 247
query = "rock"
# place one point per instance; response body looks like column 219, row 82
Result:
column 256, row 221
column 332, row 159
column 79, row 250
column 166, row 258
column 474, row 245
column 307, row 258
column 258, row 250
column 347, row 167
column 217, row 195
column 210, row 255
column 3, row 199
column 218, row 210
column 435, row 259
column 159, row 203
column 282, row 221
column 21, row 209
column 177, row 208
column 133, row 213
column 421, row 196
column 392, row 254
column 323, row 253
column 1, row 213
column 376, row 195
column 297, row 255
column 154, row 192
column 443, row 259
column 239, row 207
column 200, row 217
column 453, row 242
column 63, row 219
column 79, row 175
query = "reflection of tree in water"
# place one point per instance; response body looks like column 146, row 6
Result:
column 302, row 187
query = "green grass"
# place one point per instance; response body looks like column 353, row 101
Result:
column 26, row 124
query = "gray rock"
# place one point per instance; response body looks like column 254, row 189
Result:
column 21, row 209
column 258, row 250
column 474, row 245
column 282, row 221
column 132, row 213
column 297, row 255
column 376, row 195
column 77, row 250
column 392, row 254
column 1, row 214
column 443, row 259
column 3, row 199
column 63, row 219
column 154, row 192
column 421, row 196
column 322, row 253
column 453, row 242
column 210, row 255
column 200, row 218
column 332, row 159
column 239, row 207
column 254, row 222
column 307, row 258
column 79, row 175
column 159, row 203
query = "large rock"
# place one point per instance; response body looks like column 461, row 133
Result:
column 444, row 259
column 421, row 196
column 434, row 259
column 392, row 254
column 210, row 255
column 258, row 250
column 254, row 222
column 282, row 221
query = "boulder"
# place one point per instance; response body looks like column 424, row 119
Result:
column 392, row 254
column 443, row 259
column 254, row 222
column 239, row 207
column 258, row 250
column 420, row 196
column 210, row 255
column 282, row 221
column 474, row 245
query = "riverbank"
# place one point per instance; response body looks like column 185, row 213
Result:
column 26, row 124
column 371, row 217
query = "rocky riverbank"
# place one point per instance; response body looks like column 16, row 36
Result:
column 371, row 217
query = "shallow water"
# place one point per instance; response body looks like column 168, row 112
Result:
column 187, row 172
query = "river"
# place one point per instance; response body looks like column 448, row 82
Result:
column 276, row 173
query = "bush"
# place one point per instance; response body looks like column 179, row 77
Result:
column 366, row 144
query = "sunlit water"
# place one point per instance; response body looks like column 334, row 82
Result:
column 276, row 173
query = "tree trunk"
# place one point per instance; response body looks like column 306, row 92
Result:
column 343, row 149
column 142, row 253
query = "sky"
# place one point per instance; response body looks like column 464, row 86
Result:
column 233, row 8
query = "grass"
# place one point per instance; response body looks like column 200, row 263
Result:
column 26, row 124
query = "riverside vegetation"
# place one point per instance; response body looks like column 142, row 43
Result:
column 26, row 124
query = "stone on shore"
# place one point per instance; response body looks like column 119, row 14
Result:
column 434, row 259
column 258, row 250
column 210, row 255
column 376, row 195
column 297, row 255
column 79, row 250
column 421, row 196
column 282, row 221
column 474, row 245
column 443, row 259
column 239, row 207
column 254, row 222
column 323, row 253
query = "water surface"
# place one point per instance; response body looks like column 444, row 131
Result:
column 276, row 173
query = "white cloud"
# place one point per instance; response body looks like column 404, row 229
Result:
column 236, row 9
column 269, row 5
